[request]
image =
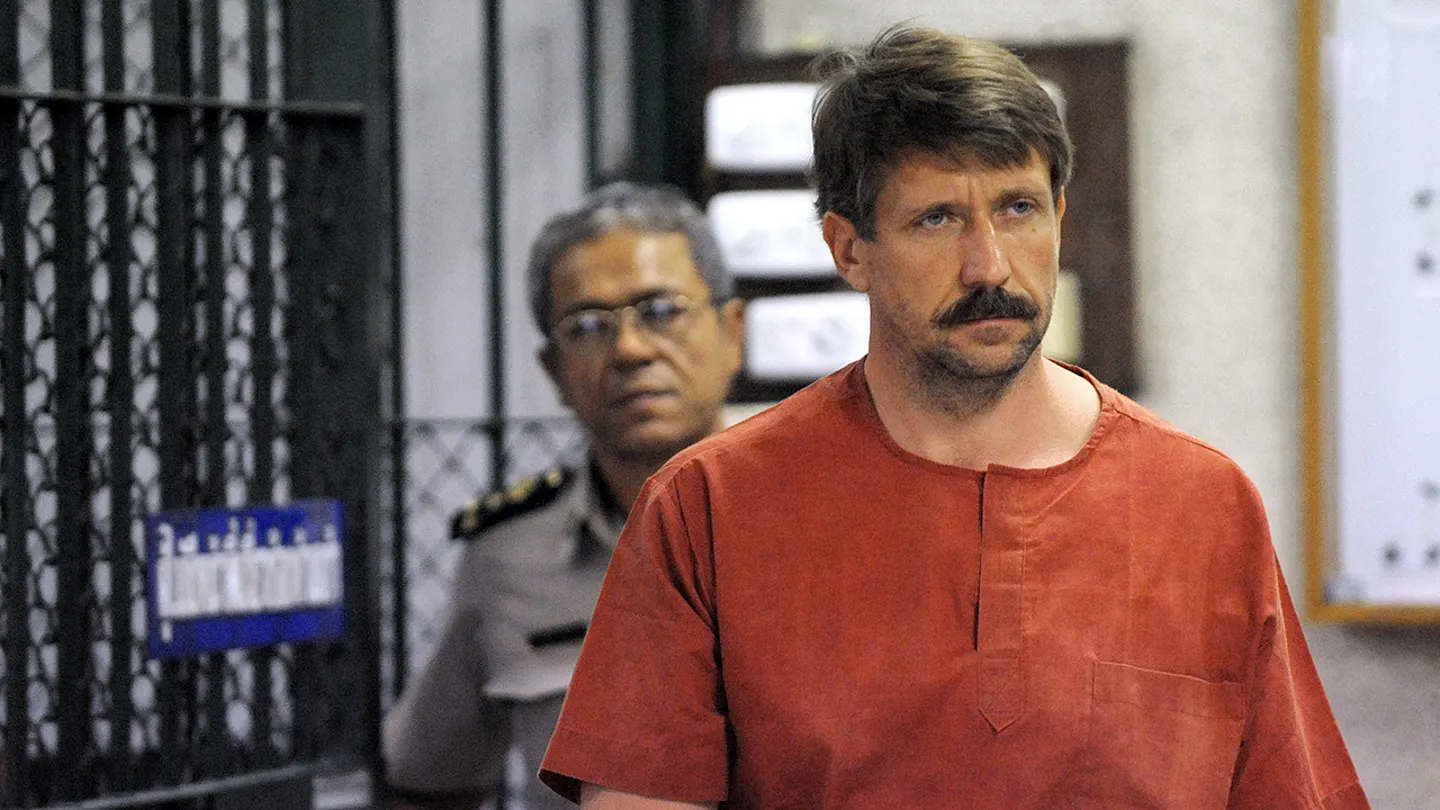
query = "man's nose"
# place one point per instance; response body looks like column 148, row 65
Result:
column 983, row 258
column 632, row 340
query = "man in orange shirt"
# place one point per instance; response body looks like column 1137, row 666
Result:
column 954, row 574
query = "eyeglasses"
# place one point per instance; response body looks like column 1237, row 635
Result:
column 597, row 327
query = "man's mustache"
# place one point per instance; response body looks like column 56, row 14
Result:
column 987, row 302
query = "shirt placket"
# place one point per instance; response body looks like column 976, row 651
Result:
column 1000, row 632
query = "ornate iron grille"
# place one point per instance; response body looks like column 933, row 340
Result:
column 177, row 314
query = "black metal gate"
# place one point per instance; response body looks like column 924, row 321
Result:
column 196, row 275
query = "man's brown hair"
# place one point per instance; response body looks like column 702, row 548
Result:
column 922, row 90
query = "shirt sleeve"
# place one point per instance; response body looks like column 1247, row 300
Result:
column 645, row 712
column 1292, row 754
column 444, row 736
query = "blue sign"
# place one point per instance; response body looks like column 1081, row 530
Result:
column 226, row 578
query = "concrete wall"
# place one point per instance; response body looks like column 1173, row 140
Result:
column 1213, row 90
column 442, row 217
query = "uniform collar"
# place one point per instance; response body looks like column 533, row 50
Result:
column 601, row 516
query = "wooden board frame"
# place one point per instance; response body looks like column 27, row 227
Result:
column 1317, row 362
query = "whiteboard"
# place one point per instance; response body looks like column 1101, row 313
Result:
column 759, row 127
column 1381, row 76
column 805, row 336
column 770, row 234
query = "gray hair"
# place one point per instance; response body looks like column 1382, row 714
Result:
column 651, row 208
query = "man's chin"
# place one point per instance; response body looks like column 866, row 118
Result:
column 1003, row 369
column 653, row 440
column 987, row 364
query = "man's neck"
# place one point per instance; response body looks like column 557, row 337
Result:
column 624, row 477
column 1043, row 419
column 625, row 474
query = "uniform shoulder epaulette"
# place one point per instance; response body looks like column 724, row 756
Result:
column 525, row 495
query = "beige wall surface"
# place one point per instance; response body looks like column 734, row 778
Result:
column 1213, row 105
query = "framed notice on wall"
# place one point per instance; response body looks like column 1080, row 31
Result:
column 1370, row 251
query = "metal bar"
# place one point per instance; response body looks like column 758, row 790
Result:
column 259, row 142
column 213, row 148
column 400, row 587
column 161, row 100
column 336, row 401
column 305, row 252
column 118, row 256
column 337, row 52
column 648, row 87
column 259, row 42
column 176, row 394
column 399, row 548
column 591, row 49
column 305, row 267
column 495, row 217
column 14, row 290
column 73, row 449
column 305, row 675
column 215, row 360
column 165, row 797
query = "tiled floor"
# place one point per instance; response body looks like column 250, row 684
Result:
column 1384, row 685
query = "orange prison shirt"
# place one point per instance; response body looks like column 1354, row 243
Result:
column 800, row 614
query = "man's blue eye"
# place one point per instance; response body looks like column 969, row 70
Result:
column 1022, row 206
column 934, row 220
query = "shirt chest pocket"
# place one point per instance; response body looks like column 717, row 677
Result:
column 1160, row 740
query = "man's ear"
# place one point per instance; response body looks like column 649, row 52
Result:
column 1059, row 219
column 550, row 361
column 732, row 330
column 846, row 248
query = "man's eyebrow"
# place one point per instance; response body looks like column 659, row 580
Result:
column 1003, row 198
column 937, row 207
column 595, row 303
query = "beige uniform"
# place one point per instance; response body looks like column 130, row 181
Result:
column 524, row 590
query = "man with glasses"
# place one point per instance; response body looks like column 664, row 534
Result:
column 643, row 338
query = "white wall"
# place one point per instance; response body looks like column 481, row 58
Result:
column 442, row 239
column 1214, row 161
